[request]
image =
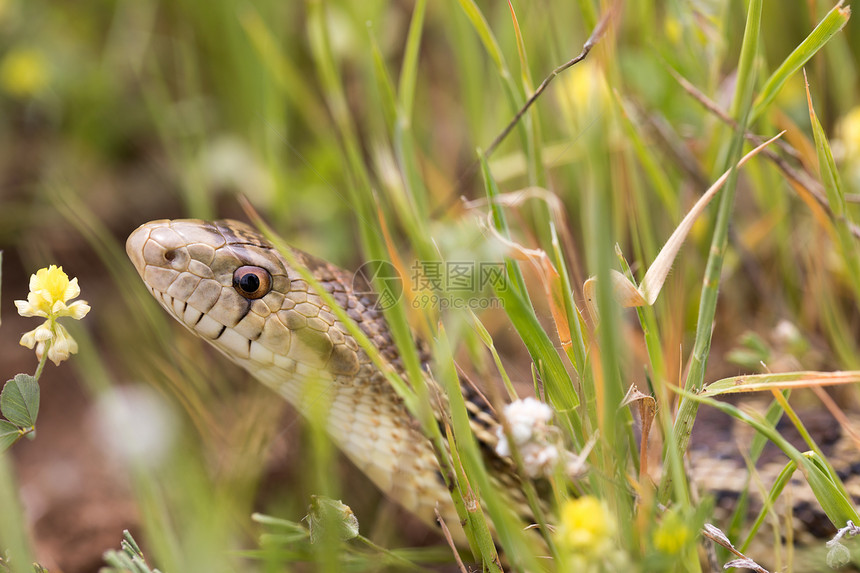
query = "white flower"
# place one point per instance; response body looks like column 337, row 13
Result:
column 539, row 459
column 525, row 417
column 136, row 424
column 528, row 421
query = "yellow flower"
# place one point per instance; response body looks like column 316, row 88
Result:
column 674, row 30
column 672, row 534
column 586, row 526
column 849, row 132
column 584, row 94
column 6, row 10
column 50, row 290
column 23, row 73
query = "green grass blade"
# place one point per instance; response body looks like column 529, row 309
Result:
column 507, row 528
column 409, row 68
column 485, row 337
column 780, row 381
column 708, row 302
column 836, row 198
column 828, row 490
column 13, row 528
column 759, row 441
column 488, row 39
column 653, row 170
column 525, row 73
column 359, row 183
column 576, row 351
column 479, row 23
column 776, row 489
column 384, row 84
column 824, row 483
column 512, row 292
column 831, row 24
column 285, row 73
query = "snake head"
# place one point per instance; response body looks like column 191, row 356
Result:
column 227, row 284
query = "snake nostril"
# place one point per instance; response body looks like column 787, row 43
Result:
column 175, row 258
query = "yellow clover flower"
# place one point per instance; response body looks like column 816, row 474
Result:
column 586, row 526
column 672, row 534
column 50, row 290
column 849, row 131
column 23, row 73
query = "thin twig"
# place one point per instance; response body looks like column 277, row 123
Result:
column 595, row 36
column 800, row 177
column 450, row 540
column 714, row 108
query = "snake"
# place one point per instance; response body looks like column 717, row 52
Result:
column 229, row 285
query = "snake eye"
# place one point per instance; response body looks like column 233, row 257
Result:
column 252, row 282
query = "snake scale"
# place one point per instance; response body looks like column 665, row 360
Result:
column 228, row 285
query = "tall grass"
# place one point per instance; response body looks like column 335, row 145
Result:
column 355, row 129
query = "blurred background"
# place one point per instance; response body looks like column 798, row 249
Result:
column 117, row 112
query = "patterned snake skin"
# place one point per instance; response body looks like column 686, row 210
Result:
column 227, row 284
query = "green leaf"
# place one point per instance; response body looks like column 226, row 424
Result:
column 130, row 558
column 331, row 518
column 9, row 434
column 521, row 50
column 19, row 401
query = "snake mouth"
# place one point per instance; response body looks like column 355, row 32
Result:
column 134, row 246
column 162, row 260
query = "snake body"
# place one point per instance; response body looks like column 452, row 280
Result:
column 227, row 284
